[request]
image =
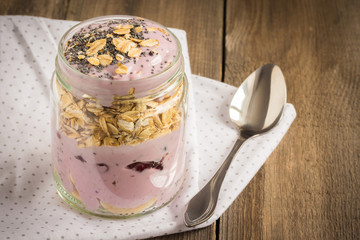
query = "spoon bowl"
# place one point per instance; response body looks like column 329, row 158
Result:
column 256, row 107
column 258, row 103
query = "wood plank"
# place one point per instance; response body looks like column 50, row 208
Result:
column 42, row 8
column 204, row 233
column 204, row 32
column 309, row 187
column 205, row 61
column 204, row 28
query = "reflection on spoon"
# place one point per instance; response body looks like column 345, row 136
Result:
column 256, row 107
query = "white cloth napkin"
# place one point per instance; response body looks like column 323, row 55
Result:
column 29, row 205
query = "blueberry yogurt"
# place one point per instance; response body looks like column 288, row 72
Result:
column 118, row 116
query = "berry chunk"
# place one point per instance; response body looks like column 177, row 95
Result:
column 141, row 166
column 79, row 157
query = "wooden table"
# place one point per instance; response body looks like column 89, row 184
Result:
column 309, row 188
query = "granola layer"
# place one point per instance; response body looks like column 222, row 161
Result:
column 128, row 121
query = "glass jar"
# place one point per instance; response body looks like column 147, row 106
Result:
column 118, row 144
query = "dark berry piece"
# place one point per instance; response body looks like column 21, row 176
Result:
column 103, row 166
column 79, row 157
column 141, row 166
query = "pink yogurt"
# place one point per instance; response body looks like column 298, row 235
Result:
column 102, row 174
column 150, row 70
column 148, row 64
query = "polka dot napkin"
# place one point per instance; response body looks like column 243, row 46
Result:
column 30, row 207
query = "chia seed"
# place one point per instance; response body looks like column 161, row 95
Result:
column 78, row 44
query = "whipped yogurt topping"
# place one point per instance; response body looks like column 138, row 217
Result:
column 121, row 49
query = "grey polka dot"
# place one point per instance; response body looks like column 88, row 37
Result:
column 29, row 188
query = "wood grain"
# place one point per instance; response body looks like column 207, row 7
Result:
column 51, row 9
column 178, row 14
column 309, row 187
column 204, row 36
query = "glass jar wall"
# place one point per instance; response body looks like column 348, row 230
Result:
column 118, row 116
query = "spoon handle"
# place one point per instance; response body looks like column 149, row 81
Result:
column 201, row 207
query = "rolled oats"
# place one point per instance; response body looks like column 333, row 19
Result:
column 135, row 39
column 112, row 129
column 108, row 141
column 125, row 126
column 94, row 61
column 121, row 31
column 147, row 132
column 149, row 43
column 119, row 57
column 138, row 29
column 103, row 125
column 95, row 47
column 122, row 69
column 105, row 59
column 163, row 31
column 123, row 45
column 128, row 121
column 134, row 52
column 151, row 29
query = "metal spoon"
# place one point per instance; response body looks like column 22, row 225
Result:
column 256, row 107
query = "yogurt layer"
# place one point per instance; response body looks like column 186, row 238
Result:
column 123, row 176
column 114, row 149
column 122, row 50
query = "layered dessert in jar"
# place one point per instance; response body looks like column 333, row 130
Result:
column 118, row 115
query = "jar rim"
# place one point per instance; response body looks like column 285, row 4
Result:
column 78, row 26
